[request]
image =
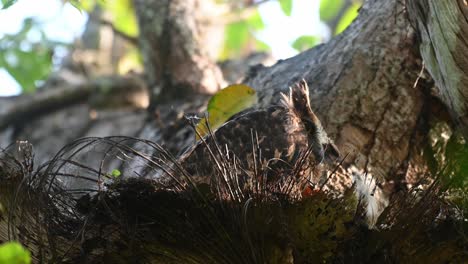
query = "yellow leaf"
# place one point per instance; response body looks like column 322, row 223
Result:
column 224, row 104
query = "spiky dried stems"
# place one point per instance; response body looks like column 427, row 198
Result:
column 119, row 218
column 143, row 208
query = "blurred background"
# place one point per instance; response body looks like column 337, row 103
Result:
column 37, row 36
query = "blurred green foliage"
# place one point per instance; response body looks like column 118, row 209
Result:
column 305, row 42
column 77, row 4
column 124, row 20
column 330, row 9
column 122, row 12
column 286, row 6
column 349, row 15
column 27, row 55
column 338, row 14
column 14, row 253
column 7, row 3
column 240, row 37
column 30, row 60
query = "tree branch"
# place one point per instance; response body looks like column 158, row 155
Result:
column 24, row 108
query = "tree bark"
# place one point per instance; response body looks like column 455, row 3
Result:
column 176, row 48
column 362, row 87
column 442, row 28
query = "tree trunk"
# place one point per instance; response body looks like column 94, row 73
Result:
column 363, row 88
column 177, row 49
column 442, row 28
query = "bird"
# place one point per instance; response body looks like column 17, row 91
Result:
column 273, row 146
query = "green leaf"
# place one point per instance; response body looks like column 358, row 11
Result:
column 86, row 5
column 226, row 103
column 239, row 35
column 28, row 24
column 26, row 61
column 14, row 253
column 123, row 14
column 261, row 46
column 77, row 4
column 329, row 9
column 255, row 21
column 7, row 3
column 236, row 36
column 116, row 173
column 27, row 67
column 348, row 17
column 305, row 42
column 286, row 6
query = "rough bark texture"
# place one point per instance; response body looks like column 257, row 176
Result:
column 442, row 28
column 361, row 86
column 176, row 47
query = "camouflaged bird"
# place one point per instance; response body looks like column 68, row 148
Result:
column 284, row 141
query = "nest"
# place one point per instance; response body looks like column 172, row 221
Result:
column 121, row 200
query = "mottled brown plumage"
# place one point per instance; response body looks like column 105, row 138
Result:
column 280, row 142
